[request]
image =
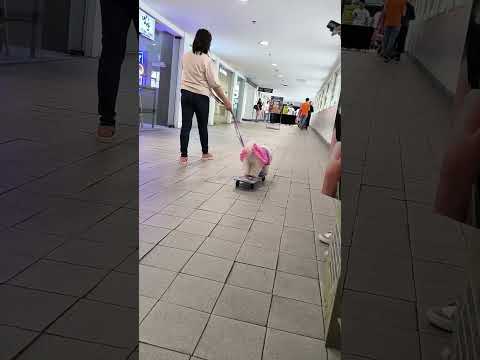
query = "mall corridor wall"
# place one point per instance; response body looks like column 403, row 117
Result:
column 437, row 42
column 326, row 102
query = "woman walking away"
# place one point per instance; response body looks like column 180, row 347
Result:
column 259, row 109
column 199, row 78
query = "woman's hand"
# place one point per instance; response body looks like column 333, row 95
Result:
column 228, row 105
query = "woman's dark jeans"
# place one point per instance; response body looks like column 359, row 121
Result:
column 200, row 106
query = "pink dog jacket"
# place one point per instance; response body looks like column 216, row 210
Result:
column 260, row 152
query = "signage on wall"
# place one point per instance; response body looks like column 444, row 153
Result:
column 276, row 104
column 141, row 67
column 265, row 90
column 146, row 25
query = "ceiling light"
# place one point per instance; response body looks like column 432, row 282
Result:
column 274, row 65
column 244, row 1
column 263, row 43
column 280, row 76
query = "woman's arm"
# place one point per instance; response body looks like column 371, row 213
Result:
column 215, row 85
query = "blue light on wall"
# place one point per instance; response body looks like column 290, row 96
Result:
column 142, row 61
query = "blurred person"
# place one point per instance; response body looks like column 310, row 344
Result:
column 309, row 116
column 394, row 11
column 333, row 171
column 460, row 171
column 361, row 16
column 199, row 80
column 378, row 26
column 259, row 109
column 303, row 113
column 402, row 36
column 116, row 17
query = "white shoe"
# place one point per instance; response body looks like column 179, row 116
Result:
column 325, row 238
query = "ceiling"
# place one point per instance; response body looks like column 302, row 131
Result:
column 299, row 42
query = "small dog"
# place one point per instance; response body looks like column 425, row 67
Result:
column 256, row 160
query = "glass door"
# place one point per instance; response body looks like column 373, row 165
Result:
column 238, row 98
column 225, row 77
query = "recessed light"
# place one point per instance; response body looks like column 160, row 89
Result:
column 275, row 65
column 280, row 76
column 263, row 43
column 244, row 1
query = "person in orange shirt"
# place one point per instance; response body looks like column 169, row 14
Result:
column 394, row 10
column 303, row 113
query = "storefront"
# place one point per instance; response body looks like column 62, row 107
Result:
column 225, row 77
column 157, row 72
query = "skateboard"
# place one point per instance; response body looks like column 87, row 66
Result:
column 250, row 181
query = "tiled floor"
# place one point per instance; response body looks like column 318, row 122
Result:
column 231, row 273
column 68, row 258
column 402, row 259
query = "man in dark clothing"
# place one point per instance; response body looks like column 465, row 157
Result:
column 402, row 36
column 307, row 122
column 117, row 15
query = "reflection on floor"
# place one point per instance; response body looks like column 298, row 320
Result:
column 402, row 258
column 225, row 272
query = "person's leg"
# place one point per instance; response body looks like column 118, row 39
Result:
column 391, row 42
column 386, row 39
column 400, row 42
column 116, row 20
column 187, row 117
column 202, row 109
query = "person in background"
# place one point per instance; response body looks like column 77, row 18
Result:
column 309, row 116
column 303, row 113
column 402, row 36
column 259, row 109
column 116, row 16
column 199, row 79
column 361, row 16
column 394, row 11
column 377, row 24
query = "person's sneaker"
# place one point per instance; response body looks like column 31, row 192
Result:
column 183, row 160
column 105, row 133
column 207, row 156
column 443, row 317
column 325, row 238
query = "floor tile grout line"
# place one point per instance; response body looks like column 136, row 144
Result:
column 400, row 144
column 273, row 289
column 47, row 327
column 61, row 167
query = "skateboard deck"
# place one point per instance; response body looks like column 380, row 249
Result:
column 251, row 181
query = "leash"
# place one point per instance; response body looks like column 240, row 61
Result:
column 235, row 122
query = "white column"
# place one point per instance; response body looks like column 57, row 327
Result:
column 244, row 100
column 211, row 115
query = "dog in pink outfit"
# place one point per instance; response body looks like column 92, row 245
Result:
column 256, row 160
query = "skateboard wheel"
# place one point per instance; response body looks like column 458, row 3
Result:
column 237, row 183
column 263, row 178
column 252, row 186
